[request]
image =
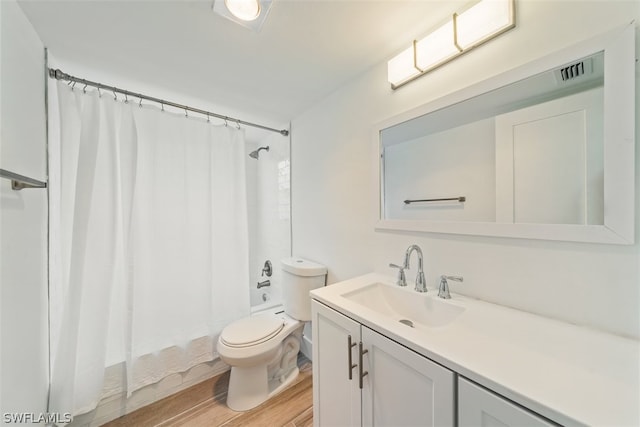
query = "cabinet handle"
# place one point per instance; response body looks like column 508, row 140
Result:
column 352, row 365
column 361, row 353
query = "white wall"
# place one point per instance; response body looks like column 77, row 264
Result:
column 333, row 188
column 23, row 219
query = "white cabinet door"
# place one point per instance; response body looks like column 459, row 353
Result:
column 336, row 397
column 403, row 388
column 478, row 407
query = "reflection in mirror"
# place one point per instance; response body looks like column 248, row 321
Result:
column 528, row 152
column 543, row 151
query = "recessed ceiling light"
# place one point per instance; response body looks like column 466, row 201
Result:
column 247, row 10
column 248, row 13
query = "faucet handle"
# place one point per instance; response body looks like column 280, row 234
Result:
column 268, row 268
column 402, row 279
column 443, row 289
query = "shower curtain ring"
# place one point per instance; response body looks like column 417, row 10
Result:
column 115, row 97
column 140, row 103
column 84, row 89
column 126, row 98
column 186, row 113
column 238, row 124
column 162, row 106
column 225, row 123
column 73, row 86
column 99, row 93
column 208, row 118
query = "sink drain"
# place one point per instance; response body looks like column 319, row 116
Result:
column 406, row 322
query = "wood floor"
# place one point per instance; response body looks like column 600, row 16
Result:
column 205, row 405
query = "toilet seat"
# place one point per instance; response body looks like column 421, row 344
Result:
column 252, row 331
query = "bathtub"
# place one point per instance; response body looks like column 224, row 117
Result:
column 268, row 305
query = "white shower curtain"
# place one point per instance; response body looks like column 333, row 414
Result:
column 149, row 243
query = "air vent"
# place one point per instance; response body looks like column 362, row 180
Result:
column 575, row 70
column 572, row 71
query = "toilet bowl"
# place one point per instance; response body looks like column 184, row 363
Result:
column 262, row 352
column 262, row 349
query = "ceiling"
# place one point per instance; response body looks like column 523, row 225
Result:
column 305, row 50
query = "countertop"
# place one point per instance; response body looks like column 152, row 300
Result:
column 569, row 374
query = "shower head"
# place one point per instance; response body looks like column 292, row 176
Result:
column 256, row 154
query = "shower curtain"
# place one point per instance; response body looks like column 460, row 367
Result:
column 148, row 243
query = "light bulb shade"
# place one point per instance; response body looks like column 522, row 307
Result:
column 246, row 10
column 436, row 48
column 249, row 13
column 483, row 21
column 402, row 67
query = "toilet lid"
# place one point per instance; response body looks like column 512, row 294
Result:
column 251, row 330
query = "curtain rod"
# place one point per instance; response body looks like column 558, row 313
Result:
column 59, row 75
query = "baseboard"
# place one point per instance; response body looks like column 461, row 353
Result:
column 306, row 347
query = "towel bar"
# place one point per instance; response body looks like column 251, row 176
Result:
column 459, row 199
column 18, row 182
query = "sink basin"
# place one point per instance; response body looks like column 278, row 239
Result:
column 405, row 305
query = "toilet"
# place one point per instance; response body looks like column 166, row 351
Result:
column 262, row 349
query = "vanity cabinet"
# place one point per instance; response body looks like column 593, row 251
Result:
column 336, row 393
column 363, row 378
column 461, row 366
column 479, row 407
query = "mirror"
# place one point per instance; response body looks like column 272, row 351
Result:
column 545, row 151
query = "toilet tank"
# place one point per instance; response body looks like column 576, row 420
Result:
column 299, row 277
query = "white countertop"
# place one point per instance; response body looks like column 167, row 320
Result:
column 567, row 373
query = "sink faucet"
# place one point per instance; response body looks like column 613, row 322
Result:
column 443, row 290
column 421, row 283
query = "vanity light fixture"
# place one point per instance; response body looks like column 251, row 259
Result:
column 248, row 13
column 475, row 25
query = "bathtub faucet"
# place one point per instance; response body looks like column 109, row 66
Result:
column 263, row 284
